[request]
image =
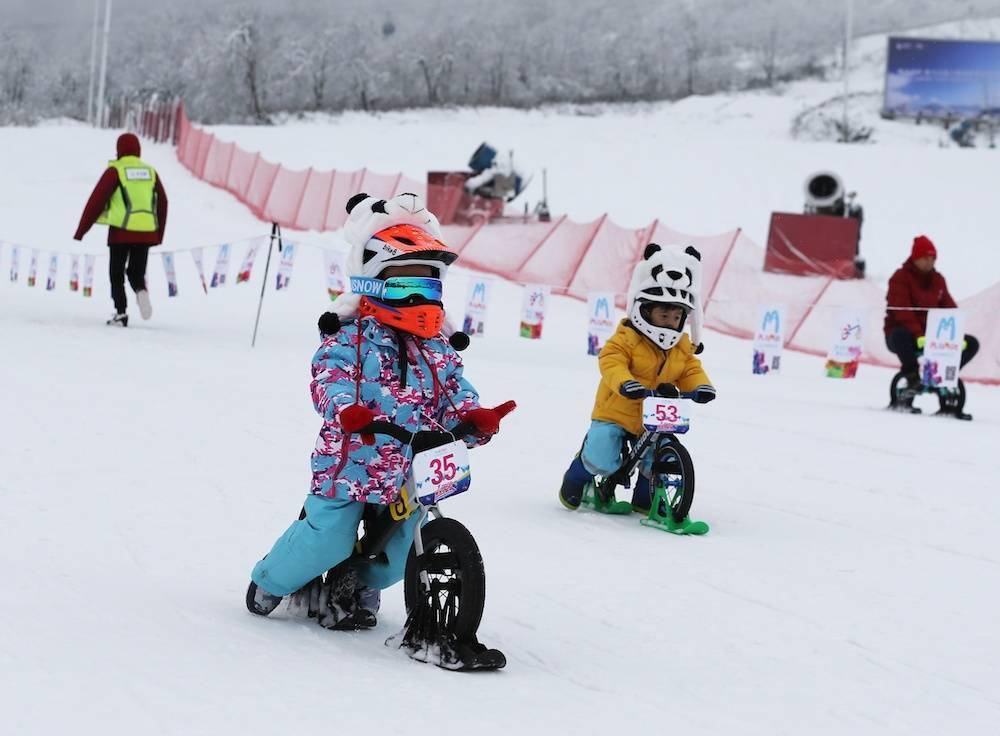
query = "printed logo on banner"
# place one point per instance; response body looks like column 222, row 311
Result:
column 171, row 273
column 50, row 282
column 74, row 273
column 88, row 275
column 533, row 310
column 476, row 307
column 768, row 339
column 845, row 351
column 335, row 284
column 947, row 324
column 600, row 307
column 247, row 267
column 221, row 266
column 942, row 356
column 284, row 276
column 14, row 258
column 33, row 268
column 196, row 255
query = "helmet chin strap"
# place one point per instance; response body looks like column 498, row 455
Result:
column 663, row 337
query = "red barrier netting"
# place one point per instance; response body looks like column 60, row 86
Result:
column 577, row 258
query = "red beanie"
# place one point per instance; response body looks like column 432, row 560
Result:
column 922, row 246
column 128, row 145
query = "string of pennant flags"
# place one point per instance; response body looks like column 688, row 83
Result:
column 219, row 274
column 843, row 358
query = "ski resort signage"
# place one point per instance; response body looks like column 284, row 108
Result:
column 74, row 273
column 601, row 325
column 534, row 301
column 88, row 275
column 335, row 279
column 477, row 302
column 247, row 268
column 50, row 281
column 768, row 339
column 942, row 78
column 221, row 266
column 170, row 270
column 943, row 342
column 284, row 276
column 845, row 349
column 197, row 257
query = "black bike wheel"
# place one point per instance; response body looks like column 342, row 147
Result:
column 458, row 579
column 894, row 387
column 674, row 470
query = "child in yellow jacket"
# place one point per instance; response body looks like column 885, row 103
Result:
column 648, row 349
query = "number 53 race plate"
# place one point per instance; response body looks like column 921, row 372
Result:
column 665, row 415
column 441, row 472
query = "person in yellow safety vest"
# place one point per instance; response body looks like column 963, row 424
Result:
column 130, row 199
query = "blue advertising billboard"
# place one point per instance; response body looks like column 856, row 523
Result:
column 938, row 78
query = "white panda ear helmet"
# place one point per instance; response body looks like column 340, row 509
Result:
column 668, row 275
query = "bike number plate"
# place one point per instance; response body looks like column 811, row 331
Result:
column 665, row 415
column 441, row 472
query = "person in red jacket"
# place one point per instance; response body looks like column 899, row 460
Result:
column 131, row 200
column 913, row 289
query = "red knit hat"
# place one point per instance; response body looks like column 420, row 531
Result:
column 922, row 246
column 128, row 145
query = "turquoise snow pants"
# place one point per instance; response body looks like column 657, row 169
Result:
column 313, row 545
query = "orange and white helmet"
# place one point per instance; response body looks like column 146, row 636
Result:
column 405, row 245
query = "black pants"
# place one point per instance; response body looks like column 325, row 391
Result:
column 135, row 256
column 902, row 342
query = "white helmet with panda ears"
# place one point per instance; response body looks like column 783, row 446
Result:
column 667, row 275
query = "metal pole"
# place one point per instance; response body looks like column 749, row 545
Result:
column 275, row 233
column 848, row 23
column 93, row 62
column 104, row 66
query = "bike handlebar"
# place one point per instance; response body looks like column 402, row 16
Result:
column 405, row 436
column 680, row 395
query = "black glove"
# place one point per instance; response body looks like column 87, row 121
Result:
column 328, row 323
column 667, row 391
column 703, row 394
column 633, row 390
column 428, row 439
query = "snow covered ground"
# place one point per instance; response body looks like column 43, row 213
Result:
column 849, row 583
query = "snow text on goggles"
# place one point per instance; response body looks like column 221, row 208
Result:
column 399, row 290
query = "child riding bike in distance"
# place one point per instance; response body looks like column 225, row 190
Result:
column 649, row 349
column 389, row 361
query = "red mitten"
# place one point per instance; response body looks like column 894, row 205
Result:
column 487, row 421
column 356, row 416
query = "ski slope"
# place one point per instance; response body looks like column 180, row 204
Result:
column 849, row 583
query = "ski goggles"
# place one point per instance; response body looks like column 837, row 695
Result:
column 399, row 289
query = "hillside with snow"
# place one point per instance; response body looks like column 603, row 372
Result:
column 848, row 585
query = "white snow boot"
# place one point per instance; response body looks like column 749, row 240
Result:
column 145, row 307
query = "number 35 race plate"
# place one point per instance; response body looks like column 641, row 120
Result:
column 441, row 472
column 665, row 415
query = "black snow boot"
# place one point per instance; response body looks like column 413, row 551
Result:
column 259, row 601
column 574, row 481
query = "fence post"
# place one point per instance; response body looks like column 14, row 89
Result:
column 275, row 233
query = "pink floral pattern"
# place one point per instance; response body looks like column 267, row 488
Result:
column 342, row 465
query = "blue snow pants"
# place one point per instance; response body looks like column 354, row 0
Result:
column 313, row 545
column 602, row 449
